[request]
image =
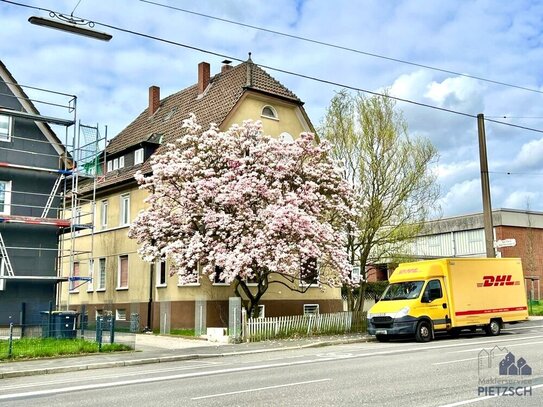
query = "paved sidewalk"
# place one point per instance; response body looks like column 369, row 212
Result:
column 161, row 349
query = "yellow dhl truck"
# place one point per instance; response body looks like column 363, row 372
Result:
column 450, row 295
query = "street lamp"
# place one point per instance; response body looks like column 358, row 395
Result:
column 70, row 24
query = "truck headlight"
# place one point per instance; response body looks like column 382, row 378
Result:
column 369, row 315
column 402, row 313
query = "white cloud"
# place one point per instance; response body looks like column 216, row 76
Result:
column 497, row 40
column 530, row 155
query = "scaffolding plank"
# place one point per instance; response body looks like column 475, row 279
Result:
column 61, row 223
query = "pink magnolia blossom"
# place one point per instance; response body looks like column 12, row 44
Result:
column 248, row 203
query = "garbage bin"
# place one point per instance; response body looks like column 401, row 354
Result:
column 67, row 324
column 60, row 324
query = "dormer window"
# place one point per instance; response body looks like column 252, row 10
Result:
column 269, row 112
column 138, row 156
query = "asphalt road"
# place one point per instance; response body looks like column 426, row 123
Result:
column 445, row 372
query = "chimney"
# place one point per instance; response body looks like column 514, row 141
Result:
column 203, row 76
column 154, row 99
column 226, row 65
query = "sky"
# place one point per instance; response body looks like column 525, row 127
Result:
column 499, row 41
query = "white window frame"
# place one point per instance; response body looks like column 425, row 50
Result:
column 120, row 314
column 193, row 284
column 262, row 313
column 121, row 162
column 318, row 283
column 138, row 156
column 109, row 166
column 119, row 263
column 104, row 213
column 7, row 137
column 115, row 164
column 159, row 266
column 274, row 115
column 90, row 283
column 102, row 273
column 125, row 210
column 356, row 274
column 311, row 309
column 219, row 283
column 7, row 198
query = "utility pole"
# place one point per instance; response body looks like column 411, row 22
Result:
column 485, row 186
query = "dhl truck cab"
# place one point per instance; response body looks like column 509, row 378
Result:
column 450, row 295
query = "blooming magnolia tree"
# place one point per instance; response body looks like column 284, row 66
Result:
column 246, row 209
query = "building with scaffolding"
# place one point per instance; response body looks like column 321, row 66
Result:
column 39, row 174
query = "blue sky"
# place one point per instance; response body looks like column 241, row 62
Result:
column 501, row 41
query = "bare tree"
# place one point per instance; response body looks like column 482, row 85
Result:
column 392, row 175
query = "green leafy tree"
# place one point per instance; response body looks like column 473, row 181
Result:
column 392, row 173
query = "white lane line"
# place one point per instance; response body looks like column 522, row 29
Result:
column 491, row 341
column 523, row 328
column 103, row 377
column 478, row 399
column 453, row 361
column 259, row 389
column 509, row 346
column 95, row 386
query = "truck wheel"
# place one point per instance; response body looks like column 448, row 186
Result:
column 382, row 338
column 493, row 328
column 424, row 332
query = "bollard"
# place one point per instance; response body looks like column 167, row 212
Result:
column 10, row 342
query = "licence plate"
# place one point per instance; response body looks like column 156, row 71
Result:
column 381, row 332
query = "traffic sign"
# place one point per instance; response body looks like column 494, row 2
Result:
column 505, row 243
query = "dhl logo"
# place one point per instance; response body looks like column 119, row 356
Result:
column 496, row 281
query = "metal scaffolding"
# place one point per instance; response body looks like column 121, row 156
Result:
column 64, row 211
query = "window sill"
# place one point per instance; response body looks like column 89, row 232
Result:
column 270, row 117
column 161, row 286
column 73, row 292
column 221, row 284
column 121, row 288
column 100, row 290
column 189, row 285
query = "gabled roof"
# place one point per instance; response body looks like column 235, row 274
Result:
column 29, row 107
column 213, row 106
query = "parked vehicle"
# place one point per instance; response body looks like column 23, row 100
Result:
column 450, row 295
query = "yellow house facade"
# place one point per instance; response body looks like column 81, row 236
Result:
column 113, row 276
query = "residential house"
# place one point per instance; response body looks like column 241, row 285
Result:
column 122, row 283
column 32, row 159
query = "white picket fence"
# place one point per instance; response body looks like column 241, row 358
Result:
column 259, row 329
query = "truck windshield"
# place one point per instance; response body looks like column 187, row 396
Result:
column 402, row 291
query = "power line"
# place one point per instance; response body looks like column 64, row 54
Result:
column 338, row 84
column 331, row 45
column 537, row 174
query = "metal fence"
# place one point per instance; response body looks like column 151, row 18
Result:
column 258, row 329
column 64, row 333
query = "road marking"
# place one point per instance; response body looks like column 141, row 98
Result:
column 107, row 376
column 258, row 389
column 523, row 328
column 453, row 361
column 95, row 386
column 509, row 345
column 476, row 400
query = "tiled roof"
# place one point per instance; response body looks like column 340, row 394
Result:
column 224, row 91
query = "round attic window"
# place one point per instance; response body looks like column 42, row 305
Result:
column 286, row 137
column 269, row 112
